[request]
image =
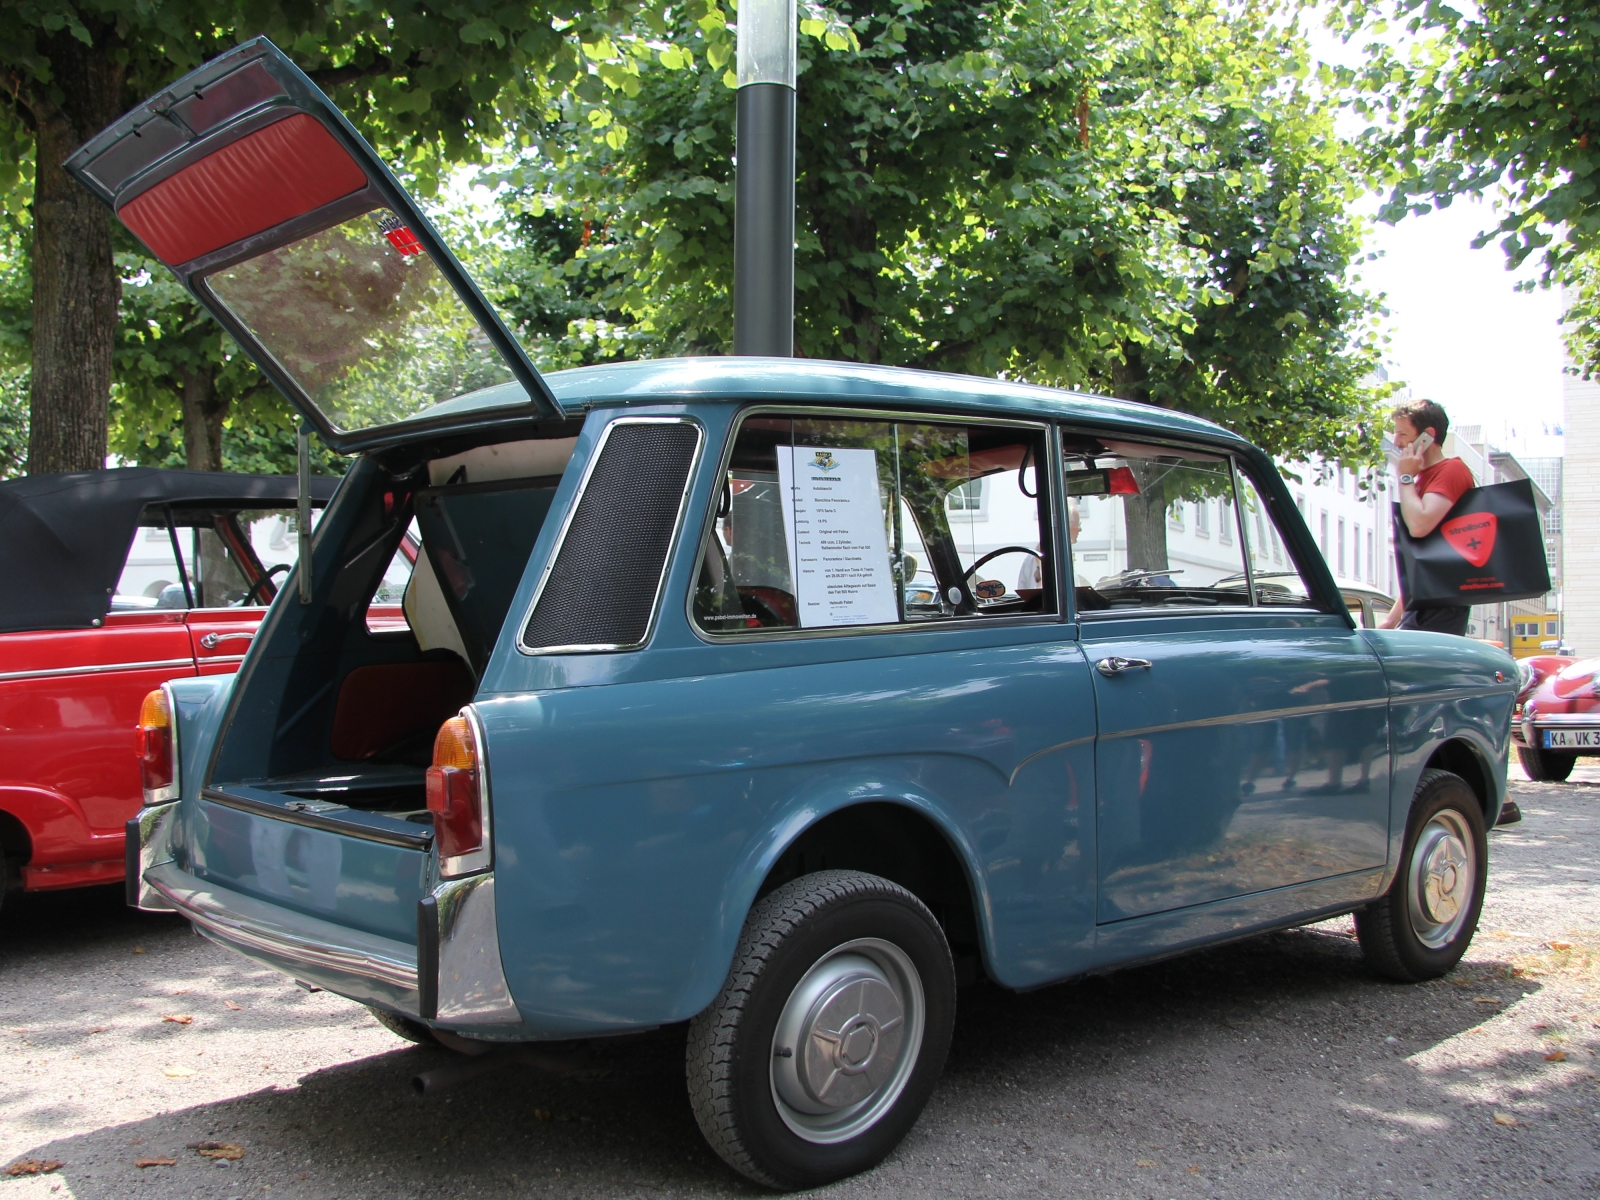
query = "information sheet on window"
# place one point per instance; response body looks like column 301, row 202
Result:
column 833, row 520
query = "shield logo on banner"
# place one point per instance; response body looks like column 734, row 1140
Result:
column 1472, row 536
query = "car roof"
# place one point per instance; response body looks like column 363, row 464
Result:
column 731, row 380
column 68, row 534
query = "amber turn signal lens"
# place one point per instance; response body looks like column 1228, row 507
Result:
column 153, row 747
column 153, row 712
column 454, row 747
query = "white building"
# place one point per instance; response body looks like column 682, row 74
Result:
column 1580, row 504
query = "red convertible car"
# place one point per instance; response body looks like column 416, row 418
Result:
column 1557, row 717
column 116, row 581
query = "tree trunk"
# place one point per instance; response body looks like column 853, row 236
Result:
column 203, row 414
column 1146, row 515
column 1147, row 532
column 75, row 284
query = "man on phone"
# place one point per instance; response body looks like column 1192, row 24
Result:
column 1430, row 485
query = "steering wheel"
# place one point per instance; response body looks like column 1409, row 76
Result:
column 264, row 580
column 973, row 569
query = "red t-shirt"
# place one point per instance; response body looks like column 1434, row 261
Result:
column 1450, row 477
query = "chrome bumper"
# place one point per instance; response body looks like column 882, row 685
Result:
column 148, row 845
column 461, row 982
column 1526, row 731
column 256, row 927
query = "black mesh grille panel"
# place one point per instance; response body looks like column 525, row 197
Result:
column 603, row 585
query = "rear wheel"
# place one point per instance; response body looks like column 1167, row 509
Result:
column 1545, row 766
column 412, row 1031
column 826, row 1040
column 1424, row 924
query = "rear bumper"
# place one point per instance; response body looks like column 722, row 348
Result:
column 306, row 947
column 461, row 984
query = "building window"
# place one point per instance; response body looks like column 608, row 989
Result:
column 1340, row 472
column 1322, row 540
column 1202, row 518
column 1341, row 537
column 1551, row 628
column 1225, row 522
column 1175, row 515
column 967, row 497
column 1277, row 547
column 1370, row 577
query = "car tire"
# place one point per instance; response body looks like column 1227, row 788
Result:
column 1424, row 923
column 1544, row 766
column 406, row 1027
column 851, row 975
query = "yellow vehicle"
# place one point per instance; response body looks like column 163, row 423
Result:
column 1536, row 635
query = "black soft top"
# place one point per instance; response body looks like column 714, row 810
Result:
column 64, row 538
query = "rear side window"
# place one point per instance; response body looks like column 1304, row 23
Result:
column 839, row 523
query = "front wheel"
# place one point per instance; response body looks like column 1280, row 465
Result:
column 1545, row 766
column 826, row 1040
column 1425, row 922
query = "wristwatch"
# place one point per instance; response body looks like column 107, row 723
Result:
column 1405, row 479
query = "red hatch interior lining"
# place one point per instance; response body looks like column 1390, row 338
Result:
column 290, row 168
column 384, row 704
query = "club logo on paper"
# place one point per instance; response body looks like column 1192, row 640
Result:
column 825, row 461
column 1472, row 536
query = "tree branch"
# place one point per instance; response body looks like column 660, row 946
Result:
column 331, row 77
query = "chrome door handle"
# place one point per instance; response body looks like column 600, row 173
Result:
column 1116, row 665
column 210, row 641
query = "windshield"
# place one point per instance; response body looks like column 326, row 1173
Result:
column 361, row 317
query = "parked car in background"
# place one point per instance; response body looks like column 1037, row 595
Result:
column 116, row 581
column 1557, row 717
column 727, row 697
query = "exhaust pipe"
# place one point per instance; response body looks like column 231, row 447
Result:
column 473, row 1059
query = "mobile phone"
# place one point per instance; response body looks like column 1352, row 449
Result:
column 1422, row 442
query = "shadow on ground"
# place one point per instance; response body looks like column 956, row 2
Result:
column 1292, row 1015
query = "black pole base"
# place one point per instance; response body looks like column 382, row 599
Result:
column 763, row 222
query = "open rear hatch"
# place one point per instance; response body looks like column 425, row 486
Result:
column 285, row 224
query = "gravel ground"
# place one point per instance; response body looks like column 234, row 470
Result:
column 1276, row 1067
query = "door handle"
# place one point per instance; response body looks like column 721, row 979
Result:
column 1116, row 665
column 210, row 641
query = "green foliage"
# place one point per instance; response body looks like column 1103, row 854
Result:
column 1499, row 98
column 1136, row 198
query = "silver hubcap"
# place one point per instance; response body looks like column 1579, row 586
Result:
column 1443, row 878
column 847, row 1040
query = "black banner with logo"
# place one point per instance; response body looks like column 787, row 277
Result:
column 1489, row 548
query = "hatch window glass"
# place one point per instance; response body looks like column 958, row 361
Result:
column 1145, row 524
column 362, row 319
column 847, row 523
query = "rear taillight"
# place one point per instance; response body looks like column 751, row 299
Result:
column 153, row 743
column 455, row 797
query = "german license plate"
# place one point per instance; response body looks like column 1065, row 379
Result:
column 1572, row 739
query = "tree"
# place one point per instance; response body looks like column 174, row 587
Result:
column 1138, row 198
column 1499, row 98
column 429, row 83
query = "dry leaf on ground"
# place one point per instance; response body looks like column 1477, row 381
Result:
column 1501, row 1118
column 1145, row 1162
column 542, row 1113
column 34, row 1166
column 228, row 1150
column 157, row 1161
column 232, row 1005
column 1556, row 1056
column 138, row 949
column 1561, row 945
column 1486, row 1000
column 178, row 1019
column 100, row 1029
column 178, row 1072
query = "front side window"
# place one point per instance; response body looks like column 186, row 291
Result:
column 188, row 558
column 1277, row 580
column 837, row 523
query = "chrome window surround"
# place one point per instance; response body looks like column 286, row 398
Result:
column 481, row 859
column 572, row 512
column 872, row 414
column 165, row 795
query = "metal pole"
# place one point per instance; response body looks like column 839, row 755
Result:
column 763, row 220
column 303, row 567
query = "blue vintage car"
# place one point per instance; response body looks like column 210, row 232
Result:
column 767, row 696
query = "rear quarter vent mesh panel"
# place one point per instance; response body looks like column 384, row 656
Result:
column 602, row 589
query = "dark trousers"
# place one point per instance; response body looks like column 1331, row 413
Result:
column 1443, row 619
